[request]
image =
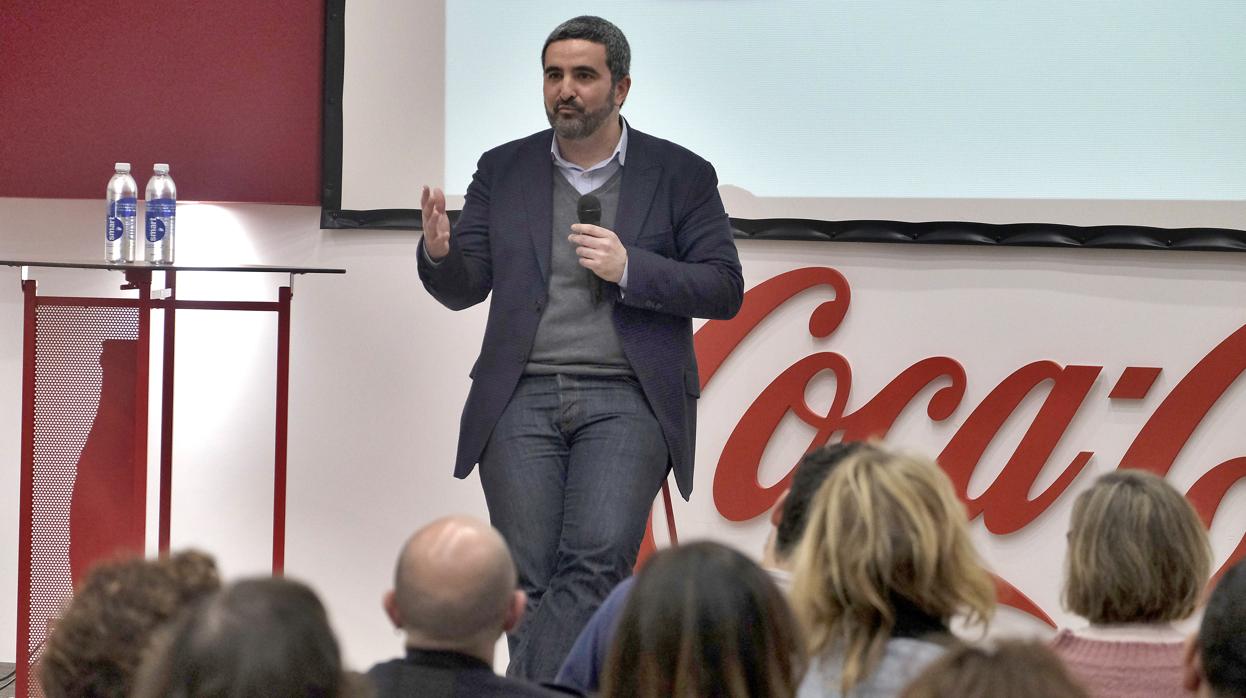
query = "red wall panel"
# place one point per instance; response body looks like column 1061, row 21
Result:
column 227, row 92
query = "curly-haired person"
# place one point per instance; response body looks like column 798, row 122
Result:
column 95, row 648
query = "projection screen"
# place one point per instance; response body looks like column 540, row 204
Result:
column 1067, row 112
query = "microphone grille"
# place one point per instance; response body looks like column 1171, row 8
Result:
column 588, row 210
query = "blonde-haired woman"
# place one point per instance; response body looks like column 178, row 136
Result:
column 1138, row 560
column 884, row 565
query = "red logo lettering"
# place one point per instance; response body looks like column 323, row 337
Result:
column 1005, row 505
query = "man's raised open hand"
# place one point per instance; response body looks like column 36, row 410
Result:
column 436, row 223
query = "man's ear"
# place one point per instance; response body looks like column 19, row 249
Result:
column 776, row 513
column 621, row 89
column 514, row 612
column 390, row 604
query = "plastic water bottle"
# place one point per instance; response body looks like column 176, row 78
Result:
column 121, row 225
column 161, row 215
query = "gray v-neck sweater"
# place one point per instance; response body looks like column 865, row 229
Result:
column 576, row 334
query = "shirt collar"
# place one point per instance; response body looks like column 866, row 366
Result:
column 620, row 152
column 446, row 659
column 1131, row 632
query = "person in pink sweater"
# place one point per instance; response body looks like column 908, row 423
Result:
column 1138, row 560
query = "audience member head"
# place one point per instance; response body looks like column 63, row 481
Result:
column 792, row 510
column 96, row 646
column 256, row 637
column 455, row 588
column 704, row 620
column 887, row 541
column 1218, row 654
column 1137, row 552
column 1012, row 668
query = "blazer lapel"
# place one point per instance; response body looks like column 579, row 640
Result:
column 536, row 170
column 640, row 180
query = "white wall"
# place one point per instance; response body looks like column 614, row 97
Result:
column 379, row 373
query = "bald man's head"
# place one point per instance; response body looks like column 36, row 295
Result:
column 454, row 584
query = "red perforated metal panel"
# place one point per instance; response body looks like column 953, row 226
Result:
column 87, row 494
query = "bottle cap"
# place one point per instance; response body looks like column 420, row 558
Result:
column 160, row 168
column 122, row 167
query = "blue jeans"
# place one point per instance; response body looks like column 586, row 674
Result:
column 570, row 474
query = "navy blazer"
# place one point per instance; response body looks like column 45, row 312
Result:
column 682, row 263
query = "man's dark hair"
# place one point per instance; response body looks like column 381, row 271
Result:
column 1222, row 643
column 809, row 476
column 598, row 31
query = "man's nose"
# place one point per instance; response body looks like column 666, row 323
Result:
column 566, row 90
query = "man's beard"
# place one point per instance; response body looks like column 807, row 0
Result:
column 582, row 125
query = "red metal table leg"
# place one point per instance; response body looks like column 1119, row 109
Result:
column 166, row 415
column 141, row 279
column 26, row 494
column 283, row 411
column 670, row 513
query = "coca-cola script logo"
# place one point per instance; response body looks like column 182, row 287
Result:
column 1004, row 505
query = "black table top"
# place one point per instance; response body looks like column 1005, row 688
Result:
column 124, row 266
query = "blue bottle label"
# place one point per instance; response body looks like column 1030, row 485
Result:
column 161, row 207
column 118, row 211
column 160, row 214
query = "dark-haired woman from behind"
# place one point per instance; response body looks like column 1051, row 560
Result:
column 704, row 620
column 257, row 637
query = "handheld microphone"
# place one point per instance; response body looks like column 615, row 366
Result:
column 588, row 210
